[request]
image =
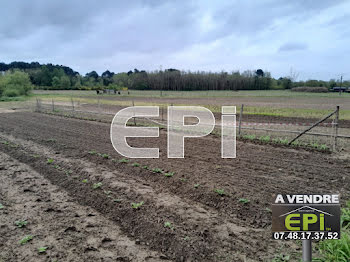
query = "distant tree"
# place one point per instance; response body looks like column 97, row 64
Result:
column 107, row 74
column 65, row 82
column 259, row 73
column 56, row 82
column 92, row 74
column 287, row 83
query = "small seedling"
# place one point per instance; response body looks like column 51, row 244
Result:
column 42, row 250
column 157, row 170
column 56, row 166
column 51, row 140
column 5, row 142
column 92, row 152
column 244, row 201
column 35, row 156
column 26, row 239
column 84, row 181
column 114, row 160
column 183, row 179
column 169, row 225
column 105, row 156
column 145, row 167
column 107, row 192
column 97, row 185
column 136, row 164
column 268, row 210
column 21, row 223
column 123, row 160
column 221, row 192
column 68, row 172
column 137, row 205
column 169, row 174
column 1, row 206
column 197, row 185
column 50, row 161
column 186, row 238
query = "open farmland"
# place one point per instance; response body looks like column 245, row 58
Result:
column 63, row 176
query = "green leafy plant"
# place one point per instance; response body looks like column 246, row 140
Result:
column 169, row 225
column 50, row 161
column 26, row 239
column 243, row 201
column 335, row 250
column 136, row 164
column 1, row 206
column 105, row 156
column 169, row 174
column 221, row 192
column 145, row 167
column 249, row 137
column 123, row 160
column 137, row 205
column 97, row 185
column 84, row 181
column 21, row 223
column 42, row 250
column 281, row 258
column 264, row 139
column 280, row 141
column 92, row 152
column 345, row 217
column 157, row 170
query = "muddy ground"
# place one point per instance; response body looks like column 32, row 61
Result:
column 181, row 219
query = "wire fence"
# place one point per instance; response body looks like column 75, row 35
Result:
column 328, row 132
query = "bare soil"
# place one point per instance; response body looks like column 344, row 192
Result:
column 204, row 226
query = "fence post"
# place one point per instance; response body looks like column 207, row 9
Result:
column 336, row 129
column 240, row 120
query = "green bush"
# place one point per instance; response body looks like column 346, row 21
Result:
column 15, row 83
column 11, row 92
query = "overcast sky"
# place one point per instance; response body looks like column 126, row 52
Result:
column 310, row 36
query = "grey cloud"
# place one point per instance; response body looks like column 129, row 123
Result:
column 119, row 35
column 292, row 47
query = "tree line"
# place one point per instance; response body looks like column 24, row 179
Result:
column 49, row 76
